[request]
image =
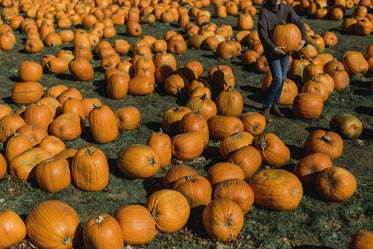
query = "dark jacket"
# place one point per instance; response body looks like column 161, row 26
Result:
column 269, row 17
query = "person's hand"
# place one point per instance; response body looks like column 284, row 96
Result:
column 279, row 50
column 301, row 45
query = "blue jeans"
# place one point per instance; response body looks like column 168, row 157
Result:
column 279, row 69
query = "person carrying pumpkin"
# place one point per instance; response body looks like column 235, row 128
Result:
column 272, row 14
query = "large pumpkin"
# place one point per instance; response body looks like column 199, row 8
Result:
column 223, row 171
column 12, row 228
column 53, row 224
column 308, row 105
column 187, row 146
column 223, row 219
column 276, row 189
column 176, row 172
column 138, row 161
column 230, row 144
column 347, row 125
column 336, row 184
column 247, row 158
column 137, row 224
column 102, row 231
column 53, row 175
column 170, row 209
column 286, row 35
column 90, row 169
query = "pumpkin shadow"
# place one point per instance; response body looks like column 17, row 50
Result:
column 311, row 129
column 15, row 78
column 152, row 184
column 113, row 168
column 195, row 222
column 65, row 76
column 154, row 126
column 364, row 110
column 255, row 93
column 8, row 100
column 367, row 134
column 101, row 90
column 296, row 152
column 360, row 88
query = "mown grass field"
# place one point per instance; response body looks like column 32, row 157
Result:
column 314, row 223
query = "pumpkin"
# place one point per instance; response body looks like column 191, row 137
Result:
column 308, row 105
column 12, row 228
column 67, row 126
column 308, row 167
column 229, row 102
column 34, row 133
column 55, row 91
column 53, row 224
column 197, row 190
column 224, row 126
column 103, row 124
column 3, row 166
column 247, row 158
column 355, row 63
column 90, row 169
column 161, row 143
column 88, row 104
column 194, row 122
column 229, row 145
column 220, row 78
column 128, row 118
column 138, row 161
column 327, row 142
column 223, row 171
column 16, row 144
column 70, row 93
column 341, row 78
column 176, row 172
column 53, row 105
column 204, row 105
column 286, row 35
column 347, row 125
column 361, row 240
column 5, row 110
column 102, row 231
column 38, row 114
column 273, row 151
column 137, row 224
column 9, row 124
column 276, row 189
column 187, row 146
column 52, row 144
column 53, row 175
column 223, row 219
column 22, row 166
column 236, row 190
column 316, row 86
column 30, row 71
column 117, row 85
column 336, row 184
column 169, row 208
column 172, row 117
column 253, row 122
column 81, row 69
column 25, row 93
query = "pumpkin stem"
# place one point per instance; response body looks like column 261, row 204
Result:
column 99, row 220
column 66, row 240
column 263, row 144
column 160, row 131
column 89, row 151
column 152, row 161
column 326, row 139
column 190, row 178
column 96, row 106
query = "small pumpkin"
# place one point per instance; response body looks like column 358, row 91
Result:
column 347, row 125
column 273, row 151
column 223, row 171
column 30, row 71
column 336, row 184
column 223, row 219
column 103, row 124
column 286, row 35
column 187, row 146
column 248, row 159
column 81, row 69
column 176, row 172
column 12, row 228
column 128, row 118
column 361, row 240
column 327, row 142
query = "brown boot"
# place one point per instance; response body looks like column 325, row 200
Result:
column 277, row 111
column 266, row 114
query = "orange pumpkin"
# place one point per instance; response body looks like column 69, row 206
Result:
column 102, row 231
column 361, row 240
column 223, row 171
column 137, row 224
column 53, row 175
column 161, row 143
column 273, row 151
column 197, row 190
column 90, row 169
column 128, row 118
column 223, row 219
column 336, row 184
column 223, row 126
column 187, row 146
column 25, row 93
column 138, row 161
column 176, row 172
column 308, row 167
column 12, row 228
column 308, row 105
column 248, row 159
column 287, row 36
column 276, row 189
column 236, row 190
column 30, row 71
column 253, row 122
column 53, row 224
column 327, row 142
column 103, row 124
column 170, row 210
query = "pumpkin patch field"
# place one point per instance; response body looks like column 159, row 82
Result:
column 136, row 124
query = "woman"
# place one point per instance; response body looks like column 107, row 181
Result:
column 273, row 13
